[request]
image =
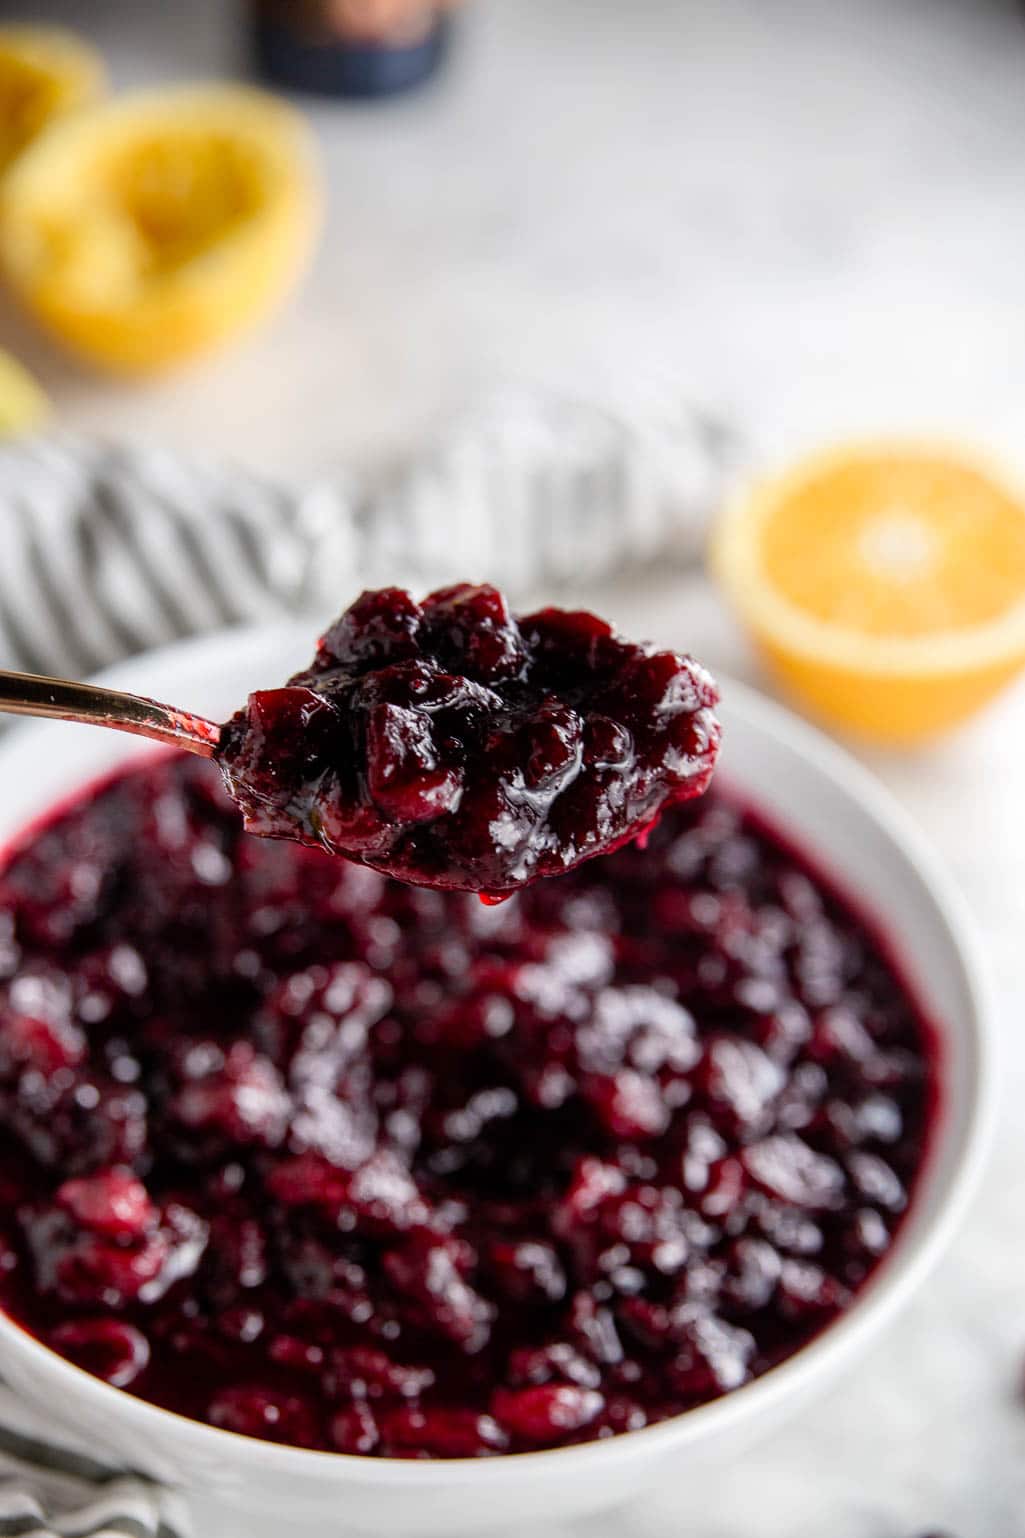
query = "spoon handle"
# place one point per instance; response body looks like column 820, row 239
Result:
column 29, row 694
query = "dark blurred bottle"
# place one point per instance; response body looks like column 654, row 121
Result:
column 350, row 47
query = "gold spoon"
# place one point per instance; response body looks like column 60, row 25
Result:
column 29, row 694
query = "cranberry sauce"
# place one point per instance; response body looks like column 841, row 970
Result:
column 323, row 1158
column 451, row 745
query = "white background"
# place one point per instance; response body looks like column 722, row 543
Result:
column 810, row 214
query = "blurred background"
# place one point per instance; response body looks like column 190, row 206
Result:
column 692, row 242
column 808, row 213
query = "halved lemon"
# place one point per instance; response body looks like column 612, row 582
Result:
column 145, row 230
column 23, row 404
column 45, row 72
column 885, row 584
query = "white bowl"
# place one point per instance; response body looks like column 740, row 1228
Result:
column 239, row 1488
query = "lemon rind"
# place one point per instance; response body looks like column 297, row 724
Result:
column 58, row 49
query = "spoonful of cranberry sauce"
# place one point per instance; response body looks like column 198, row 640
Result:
column 448, row 743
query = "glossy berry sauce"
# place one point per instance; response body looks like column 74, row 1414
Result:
column 322, row 1158
column 451, row 745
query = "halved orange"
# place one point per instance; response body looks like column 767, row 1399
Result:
column 45, row 72
column 885, row 584
column 147, row 229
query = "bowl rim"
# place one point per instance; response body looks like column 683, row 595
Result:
column 898, row 1275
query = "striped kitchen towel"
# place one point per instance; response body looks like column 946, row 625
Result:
column 107, row 550
column 50, row 1489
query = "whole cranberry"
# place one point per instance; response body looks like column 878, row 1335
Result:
column 114, row 1203
column 425, row 1269
column 238, row 1098
column 108, row 1348
column 252, row 1410
column 548, row 1413
column 354, row 1430
column 441, row 1433
column 44, row 1045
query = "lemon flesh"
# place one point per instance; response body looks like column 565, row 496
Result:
column 150, row 229
column 45, row 72
column 23, row 405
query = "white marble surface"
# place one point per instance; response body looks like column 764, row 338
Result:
column 809, row 213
